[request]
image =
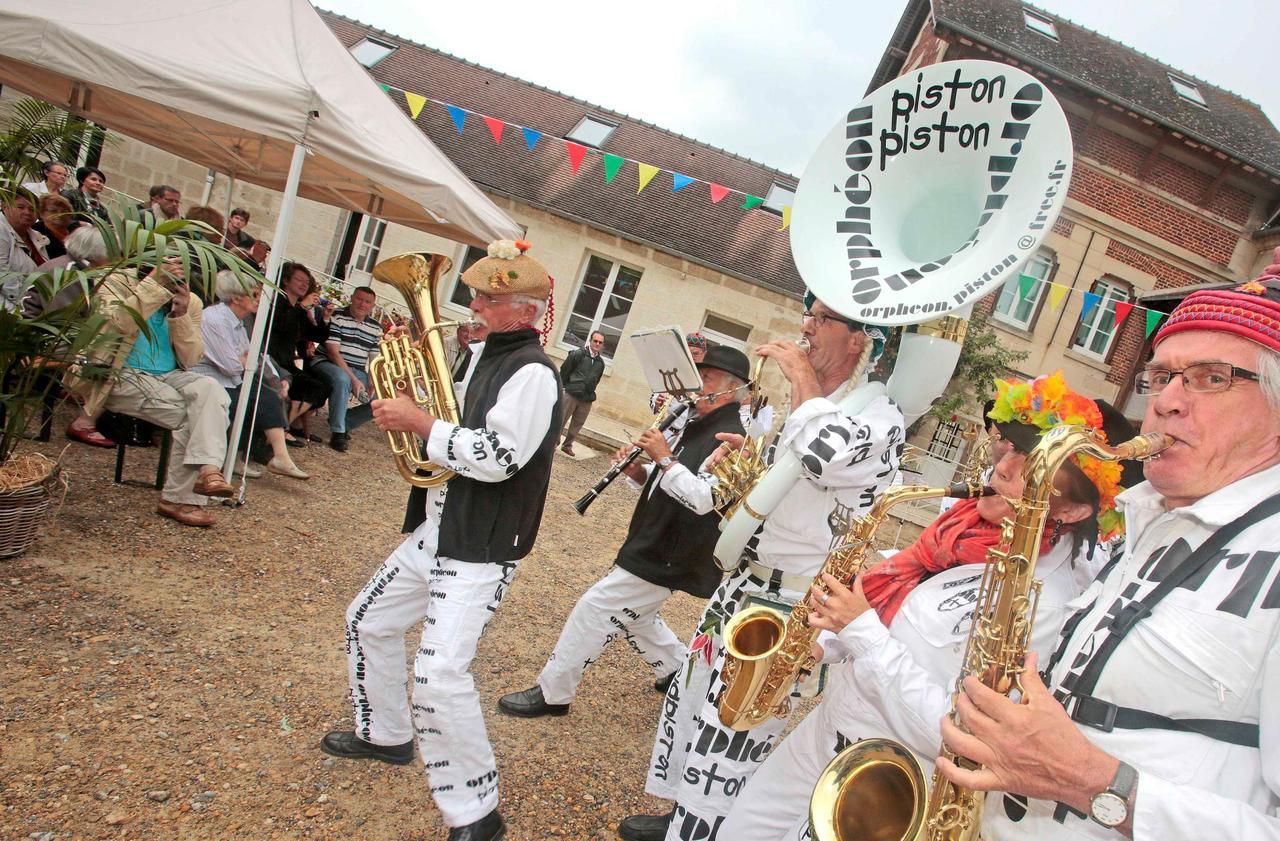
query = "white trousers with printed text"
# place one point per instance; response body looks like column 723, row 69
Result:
column 620, row 604
column 455, row 601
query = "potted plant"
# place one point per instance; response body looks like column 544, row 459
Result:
column 59, row 330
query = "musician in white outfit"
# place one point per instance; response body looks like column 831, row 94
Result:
column 846, row 460
column 897, row 663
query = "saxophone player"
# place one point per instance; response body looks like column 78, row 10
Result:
column 898, row 634
column 466, row 540
column 847, row 459
column 1152, row 721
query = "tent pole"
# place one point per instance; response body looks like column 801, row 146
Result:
column 278, row 248
column 208, row 187
column 226, row 217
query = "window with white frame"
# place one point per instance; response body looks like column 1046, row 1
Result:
column 1188, row 90
column 370, row 51
column 461, row 295
column 1097, row 331
column 1016, row 309
column 780, row 196
column 1037, row 22
column 591, row 131
column 603, row 302
column 370, row 244
column 719, row 330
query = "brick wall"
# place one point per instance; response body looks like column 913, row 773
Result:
column 1063, row 227
column 1162, row 218
column 924, row 51
column 1130, row 345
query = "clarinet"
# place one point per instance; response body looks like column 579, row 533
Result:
column 678, row 408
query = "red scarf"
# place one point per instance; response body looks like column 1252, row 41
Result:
column 960, row 536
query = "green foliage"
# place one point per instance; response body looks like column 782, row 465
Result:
column 982, row 359
column 36, row 132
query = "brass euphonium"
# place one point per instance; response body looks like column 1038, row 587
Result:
column 998, row 639
column 419, row 369
column 765, row 651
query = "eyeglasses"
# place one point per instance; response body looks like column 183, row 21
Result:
column 486, row 298
column 1200, row 378
column 822, row 318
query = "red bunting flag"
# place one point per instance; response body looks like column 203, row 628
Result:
column 495, row 128
column 1122, row 312
column 718, row 192
column 576, row 153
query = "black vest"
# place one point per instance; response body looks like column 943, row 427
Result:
column 494, row 522
column 667, row 544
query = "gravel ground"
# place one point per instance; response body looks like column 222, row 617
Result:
column 168, row 682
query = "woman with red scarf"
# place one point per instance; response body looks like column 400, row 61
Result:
column 898, row 635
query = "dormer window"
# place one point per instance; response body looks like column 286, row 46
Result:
column 371, row 51
column 592, row 132
column 780, row 196
column 1188, row 90
column 1037, row 22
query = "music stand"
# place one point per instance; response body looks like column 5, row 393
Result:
column 665, row 359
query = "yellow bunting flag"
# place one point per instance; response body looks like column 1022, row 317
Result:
column 786, row 217
column 1056, row 293
column 647, row 171
column 416, row 103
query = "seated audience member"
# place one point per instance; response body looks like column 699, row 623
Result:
column 226, row 348
column 54, row 181
column 19, row 251
column 353, row 338
column 163, row 202
column 87, row 250
column 151, row 381
column 87, row 198
column 290, row 327
column 56, row 221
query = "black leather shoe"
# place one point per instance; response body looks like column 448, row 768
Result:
column 339, row 442
column 347, row 745
column 530, row 704
column 645, row 827
column 661, row 686
column 488, row 828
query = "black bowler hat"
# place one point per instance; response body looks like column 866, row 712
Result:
column 727, row 359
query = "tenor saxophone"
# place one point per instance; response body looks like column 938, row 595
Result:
column 998, row 639
column 765, row 652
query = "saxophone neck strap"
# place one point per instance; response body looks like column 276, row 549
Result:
column 1105, row 716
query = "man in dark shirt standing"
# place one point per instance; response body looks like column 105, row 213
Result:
column 580, row 372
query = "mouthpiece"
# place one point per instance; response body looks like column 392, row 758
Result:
column 803, row 343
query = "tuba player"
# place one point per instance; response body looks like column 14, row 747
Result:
column 466, row 539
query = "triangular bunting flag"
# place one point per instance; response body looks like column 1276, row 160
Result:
column 752, row 202
column 416, row 102
column 385, row 88
column 576, row 153
column 718, row 193
column 786, row 217
column 1056, row 293
column 458, row 116
column 495, row 128
column 1154, row 317
column 531, row 137
column 1091, row 300
column 1026, row 283
column 647, row 171
column 1122, row 312
column 612, row 163
column 679, row 181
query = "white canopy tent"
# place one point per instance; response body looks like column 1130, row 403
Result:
column 252, row 88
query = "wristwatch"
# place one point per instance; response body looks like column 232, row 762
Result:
column 665, row 462
column 1111, row 807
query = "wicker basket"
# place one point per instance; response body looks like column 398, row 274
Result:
column 24, row 510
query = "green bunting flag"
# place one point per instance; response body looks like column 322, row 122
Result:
column 1154, row 317
column 1026, row 284
column 612, row 163
column 752, row 202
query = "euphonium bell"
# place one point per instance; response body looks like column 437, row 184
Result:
column 419, row 369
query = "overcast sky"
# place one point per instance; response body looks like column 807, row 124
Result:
column 768, row 78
